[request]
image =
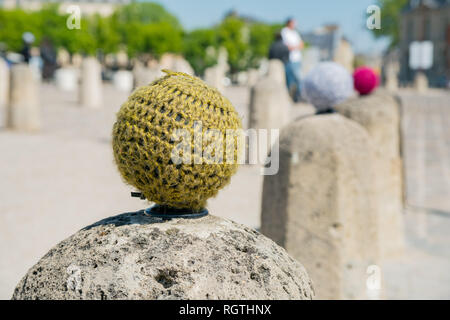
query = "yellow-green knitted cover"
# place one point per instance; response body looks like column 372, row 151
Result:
column 142, row 140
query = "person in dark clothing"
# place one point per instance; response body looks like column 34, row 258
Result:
column 278, row 50
column 48, row 56
column 28, row 39
column 26, row 52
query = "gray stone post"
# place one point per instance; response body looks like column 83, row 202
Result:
column 379, row 114
column 23, row 111
column 91, row 83
column 4, row 83
column 321, row 207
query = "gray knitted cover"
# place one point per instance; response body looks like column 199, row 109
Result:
column 327, row 84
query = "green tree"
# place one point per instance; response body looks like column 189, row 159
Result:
column 143, row 28
column 145, row 13
column 390, row 20
column 162, row 37
column 261, row 37
column 155, row 39
column 233, row 35
column 53, row 25
column 199, row 49
column 13, row 23
column 147, row 28
column 107, row 37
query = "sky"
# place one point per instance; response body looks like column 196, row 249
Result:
column 310, row 14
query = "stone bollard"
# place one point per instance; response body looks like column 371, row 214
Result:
column 215, row 76
column 276, row 71
column 421, row 82
column 175, row 63
column 77, row 60
column 391, row 70
column 145, row 75
column 252, row 77
column 122, row 59
column 379, row 114
column 66, row 78
column 23, row 110
column 123, row 80
column 343, row 54
column 4, row 83
column 320, row 206
column 270, row 103
column 175, row 249
column 63, row 58
column 134, row 256
column 91, row 83
column 391, row 83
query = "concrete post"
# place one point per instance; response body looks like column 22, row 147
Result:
column 66, row 78
column 269, row 100
column 421, row 82
column 215, row 75
column 320, row 206
column 252, row 77
column 91, row 83
column 123, row 80
column 379, row 114
column 175, row 63
column 276, row 71
column 145, row 75
column 23, row 111
column 4, row 83
column 391, row 76
column 136, row 256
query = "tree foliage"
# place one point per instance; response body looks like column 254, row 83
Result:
column 261, row 36
column 233, row 35
column 142, row 28
column 145, row 13
column 13, row 24
column 200, row 49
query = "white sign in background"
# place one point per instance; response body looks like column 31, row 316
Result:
column 421, row 55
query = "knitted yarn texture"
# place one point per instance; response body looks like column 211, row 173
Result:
column 143, row 140
column 327, row 85
column 365, row 80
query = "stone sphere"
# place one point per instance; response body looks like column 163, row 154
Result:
column 365, row 80
column 177, row 115
column 327, row 84
column 136, row 256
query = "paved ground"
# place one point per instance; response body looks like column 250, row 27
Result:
column 57, row 181
column 423, row 272
column 427, row 146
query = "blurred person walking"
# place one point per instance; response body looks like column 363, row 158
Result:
column 278, row 50
column 291, row 38
column 28, row 39
column 48, row 56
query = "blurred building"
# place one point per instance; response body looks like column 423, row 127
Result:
column 344, row 55
column 326, row 38
column 423, row 20
column 327, row 43
column 102, row 7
